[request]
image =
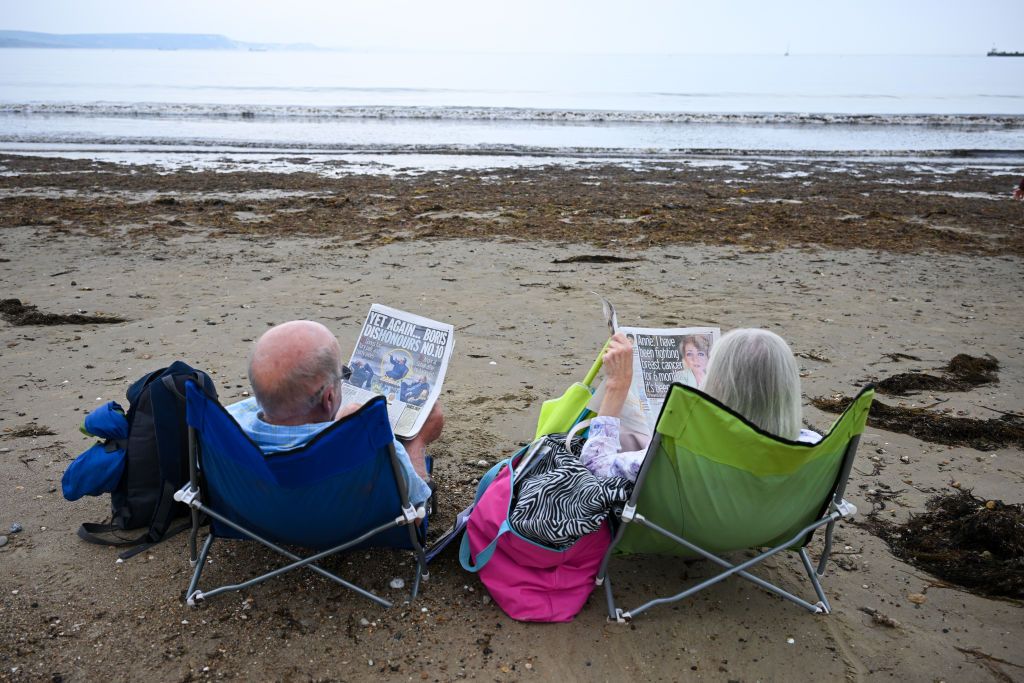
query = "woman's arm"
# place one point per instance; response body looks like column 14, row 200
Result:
column 618, row 372
column 601, row 452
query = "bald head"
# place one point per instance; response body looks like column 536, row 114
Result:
column 290, row 367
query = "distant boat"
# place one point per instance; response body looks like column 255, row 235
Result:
column 1003, row 53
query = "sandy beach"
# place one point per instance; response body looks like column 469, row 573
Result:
column 867, row 269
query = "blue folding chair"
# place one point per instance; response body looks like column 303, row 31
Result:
column 343, row 489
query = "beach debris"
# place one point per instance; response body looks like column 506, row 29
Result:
column 596, row 258
column 962, row 373
column 28, row 430
column 810, row 355
column 991, row 663
column 917, row 598
column 19, row 314
column 936, row 427
column 962, row 540
column 397, row 584
column 897, row 357
column 879, row 618
column 790, row 641
column 15, row 528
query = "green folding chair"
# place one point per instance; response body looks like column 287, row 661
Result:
column 714, row 483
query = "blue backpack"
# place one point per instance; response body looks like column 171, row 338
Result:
column 141, row 462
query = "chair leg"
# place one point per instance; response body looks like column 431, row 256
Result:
column 192, row 594
column 731, row 569
column 193, row 537
column 813, row 576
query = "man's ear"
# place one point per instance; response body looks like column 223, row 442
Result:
column 330, row 402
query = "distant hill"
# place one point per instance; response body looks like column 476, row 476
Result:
column 138, row 41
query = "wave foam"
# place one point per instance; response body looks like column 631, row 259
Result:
column 173, row 110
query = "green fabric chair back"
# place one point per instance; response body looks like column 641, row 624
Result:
column 722, row 483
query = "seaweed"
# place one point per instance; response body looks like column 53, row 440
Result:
column 983, row 435
column 964, row 540
column 19, row 314
column 962, row 373
column 28, row 430
column 596, row 258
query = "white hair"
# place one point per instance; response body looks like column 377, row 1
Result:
column 754, row 373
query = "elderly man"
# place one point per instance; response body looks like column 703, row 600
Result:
column 296, row 374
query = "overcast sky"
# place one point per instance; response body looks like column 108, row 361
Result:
column 604, row 26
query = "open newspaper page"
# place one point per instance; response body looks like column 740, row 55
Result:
column 402, row 357
column 662, row 356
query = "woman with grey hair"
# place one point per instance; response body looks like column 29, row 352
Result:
column 751, row 371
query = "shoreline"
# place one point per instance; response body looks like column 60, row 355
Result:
column 201, row 262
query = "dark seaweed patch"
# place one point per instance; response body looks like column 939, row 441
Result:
column 19, row 314
column 927, row 425
column 596, row 258
column 962, row 373
column 962, row 539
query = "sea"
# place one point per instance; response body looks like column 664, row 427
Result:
column 377, row 111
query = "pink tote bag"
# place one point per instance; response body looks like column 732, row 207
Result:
column 530, row 582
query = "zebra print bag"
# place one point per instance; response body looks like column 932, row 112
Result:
column 557, row 500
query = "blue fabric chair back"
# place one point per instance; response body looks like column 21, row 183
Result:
column 335, row 488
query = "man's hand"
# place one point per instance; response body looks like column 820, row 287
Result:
column 346, row 410
column 416, row 447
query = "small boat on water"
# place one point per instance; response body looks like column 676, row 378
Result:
column 1003, row 53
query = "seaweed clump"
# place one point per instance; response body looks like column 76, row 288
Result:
column 19, row 314
column 962, row 539
column 983, row 435
column 962, row 373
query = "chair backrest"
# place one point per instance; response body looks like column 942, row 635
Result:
column 339, row 485
column 722, row 483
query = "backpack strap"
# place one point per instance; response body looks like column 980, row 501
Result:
column 166, row 398
column 90, row 533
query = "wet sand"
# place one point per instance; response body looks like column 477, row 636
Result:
column 847, row 266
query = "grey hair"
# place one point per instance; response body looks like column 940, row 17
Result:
column 300, row 391
column 754, row 373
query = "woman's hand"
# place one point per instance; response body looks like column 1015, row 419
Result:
column 618, row 371
column 618, row 361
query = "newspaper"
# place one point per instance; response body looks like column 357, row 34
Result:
column 661, row 357
column 402, row 357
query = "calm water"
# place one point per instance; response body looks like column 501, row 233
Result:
column 378, row 103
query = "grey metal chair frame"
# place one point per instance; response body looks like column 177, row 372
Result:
column 836, row 508
column 190, row 495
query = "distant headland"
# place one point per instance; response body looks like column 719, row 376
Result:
column 138, row 41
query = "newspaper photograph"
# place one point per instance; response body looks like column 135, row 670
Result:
column 402, row 357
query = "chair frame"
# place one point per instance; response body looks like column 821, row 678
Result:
column 190, row 494
column 835, row 508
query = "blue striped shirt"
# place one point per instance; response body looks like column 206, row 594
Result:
column 276, row 438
